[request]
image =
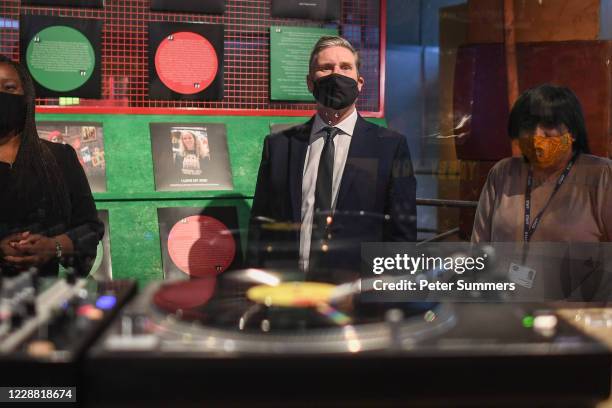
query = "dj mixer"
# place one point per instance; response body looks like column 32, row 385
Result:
column 47, row 324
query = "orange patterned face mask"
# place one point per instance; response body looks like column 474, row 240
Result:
column 542, row 151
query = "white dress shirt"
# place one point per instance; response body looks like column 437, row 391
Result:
column 342, row 142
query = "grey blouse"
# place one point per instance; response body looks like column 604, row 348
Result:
column 581, row 211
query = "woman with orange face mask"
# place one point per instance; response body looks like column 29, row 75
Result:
column 556, row 192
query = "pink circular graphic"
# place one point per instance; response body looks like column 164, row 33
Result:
column 186, row 62
column 201, row 246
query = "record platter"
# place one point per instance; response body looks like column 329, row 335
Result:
column 293, row 317
column 276, row 337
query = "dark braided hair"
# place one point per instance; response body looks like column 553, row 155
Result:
column 34, row 154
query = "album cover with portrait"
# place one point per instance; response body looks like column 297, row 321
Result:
column 63, row 55
column 189, row 6
column 185, row 61
column 190, row 156
column 199, row 242
column 87, row 139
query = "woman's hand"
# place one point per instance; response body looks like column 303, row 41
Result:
column 32, row 250
column 7, row 245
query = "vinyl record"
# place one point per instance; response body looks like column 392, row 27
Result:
column 254, row 308
column 267, row 302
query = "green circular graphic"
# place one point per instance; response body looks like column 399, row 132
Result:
column 60, row 58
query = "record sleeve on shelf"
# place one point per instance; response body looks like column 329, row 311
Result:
column 199, row 242
column 190, row 156
column 87, row 139
column 62, row 55
column 189, row 6
column 279, row 127
column 186, row 61
column 290, row 49
column 102, row 267
column 66, row 3
column 312, row 10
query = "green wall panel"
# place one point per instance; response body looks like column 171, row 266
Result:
column 131, row 198
column 129, row 164
column 134, row 233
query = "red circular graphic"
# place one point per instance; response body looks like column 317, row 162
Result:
column 186, row 62
column 200, row 246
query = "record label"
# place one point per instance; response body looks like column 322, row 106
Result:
column 292, row 294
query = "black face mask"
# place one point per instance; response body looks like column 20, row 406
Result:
column 12, row 113
column 335, row 91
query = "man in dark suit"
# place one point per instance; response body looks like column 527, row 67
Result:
column 336, row 181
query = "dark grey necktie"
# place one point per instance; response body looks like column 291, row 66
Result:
column 325, row 174
column 323, row 199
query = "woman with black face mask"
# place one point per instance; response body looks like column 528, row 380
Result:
column 47, row 212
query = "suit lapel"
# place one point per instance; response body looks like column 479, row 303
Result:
column 298, row 144
column 358, row 148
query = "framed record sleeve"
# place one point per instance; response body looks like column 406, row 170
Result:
column 62, row 55
column 189, row 6
column 67, row 3
column 190, row 156
column 186, row 61
column 199, row 242
column 279, row 127
column 310, row 10
column 87, row 139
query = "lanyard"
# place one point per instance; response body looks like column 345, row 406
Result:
column 527, row 230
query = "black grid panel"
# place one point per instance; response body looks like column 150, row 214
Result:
column 247, row 50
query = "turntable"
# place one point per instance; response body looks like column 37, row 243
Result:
column 272, row 337
column 280, row 318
